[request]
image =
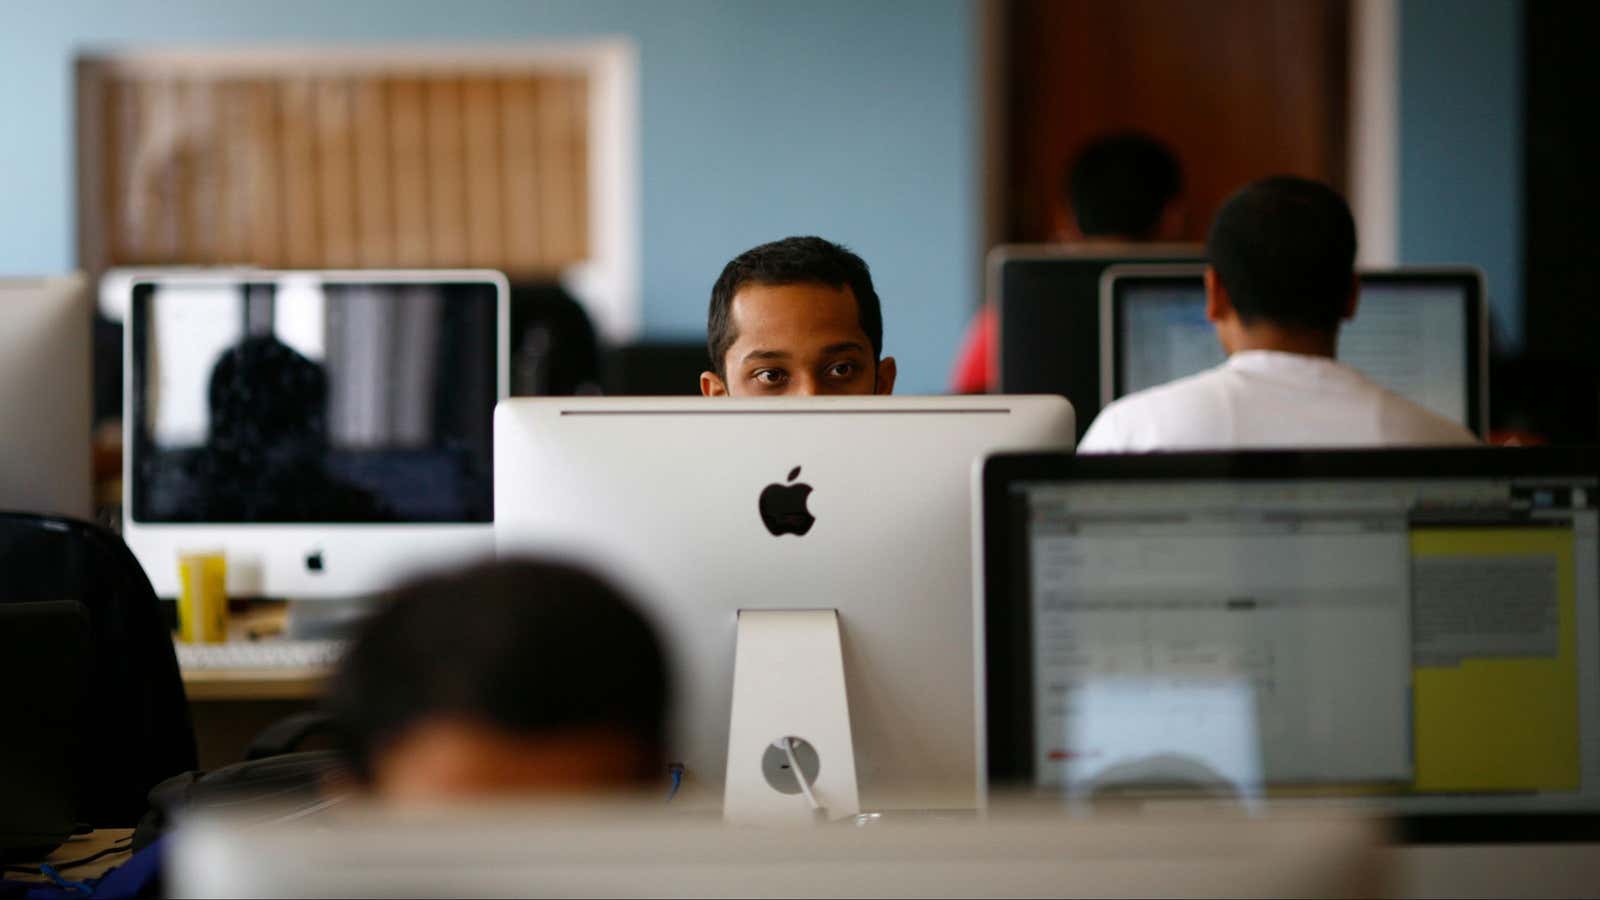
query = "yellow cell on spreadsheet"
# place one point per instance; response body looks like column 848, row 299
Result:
column 1496, row 675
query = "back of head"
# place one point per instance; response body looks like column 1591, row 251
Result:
column 264, row 393
column 1121, row 185
column 528, row 649
column 793, row 260
column 1285, row 250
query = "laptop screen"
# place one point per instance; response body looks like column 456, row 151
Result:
column 1412, row 335
column 1433, row 642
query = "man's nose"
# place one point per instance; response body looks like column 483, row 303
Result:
column 804, row 386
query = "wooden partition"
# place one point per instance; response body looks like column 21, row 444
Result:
column 1240, row 89
column 320, row 162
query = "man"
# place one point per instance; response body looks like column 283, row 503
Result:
column 1124, row 188
column 508, row 678
column 1281, row 280
column 796, row 317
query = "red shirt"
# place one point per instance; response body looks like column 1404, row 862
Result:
column 977, row 369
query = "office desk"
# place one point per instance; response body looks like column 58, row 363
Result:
column 230, row 707
column 1496, row 870
column 81, row 846
column 214, row 685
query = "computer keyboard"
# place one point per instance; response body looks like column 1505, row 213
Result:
column 268, row 654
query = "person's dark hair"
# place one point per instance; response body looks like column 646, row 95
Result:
column 1285, row 250
column 793, row 260
column 1121, row 184
column 525, row 646
column 264, row 393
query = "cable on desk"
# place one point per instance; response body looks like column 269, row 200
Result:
column 122, row 845
column 50, row 872
column 676, row 771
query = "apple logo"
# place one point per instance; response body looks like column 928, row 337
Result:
column 783, row 507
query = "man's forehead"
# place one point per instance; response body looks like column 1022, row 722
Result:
column 794, row 306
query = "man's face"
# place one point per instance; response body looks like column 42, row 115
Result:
column 802, row 340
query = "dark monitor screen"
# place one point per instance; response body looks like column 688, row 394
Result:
column 302, row 400
column 1419, row 333
column 656, row 369
column 1048, row 301
column 1418, row 630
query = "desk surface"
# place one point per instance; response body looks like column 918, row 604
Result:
column 81, row 846
column 255, row 684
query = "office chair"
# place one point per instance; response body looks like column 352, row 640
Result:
column 555, row 350
column 133, row 726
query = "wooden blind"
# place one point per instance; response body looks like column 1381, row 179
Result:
column 373, row 169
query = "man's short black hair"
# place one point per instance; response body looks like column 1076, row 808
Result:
column 524, row 646
column 1285, row 250
column 1121, row 184
column 793, row 260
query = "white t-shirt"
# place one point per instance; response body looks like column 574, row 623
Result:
column 1263, row 399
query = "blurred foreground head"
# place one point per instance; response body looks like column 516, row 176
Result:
column 511, row 677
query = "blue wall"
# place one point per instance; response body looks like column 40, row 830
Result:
column 854, row 120
column 1461, row 144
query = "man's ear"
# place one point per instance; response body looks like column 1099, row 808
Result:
column 884, row 385
column 1219, row 305
column 712, row 385
column 1351, row 304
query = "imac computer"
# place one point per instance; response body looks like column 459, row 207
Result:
column 328, row 431
column 1421, row 333
column 1416, row 631
column 1047, row 298
column 808, row 562
column 45, row 397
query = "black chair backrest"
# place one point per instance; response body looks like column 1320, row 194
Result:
column 134, row 727
column 44, row 661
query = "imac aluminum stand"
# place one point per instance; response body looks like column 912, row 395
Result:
column 791, row 759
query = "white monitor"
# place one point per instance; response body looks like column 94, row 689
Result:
column 329, row 431
column 682, row 500
column 45, row 397
column 1420, row 332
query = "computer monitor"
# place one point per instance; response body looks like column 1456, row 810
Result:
column 45, row 397
column 1413, row 629
column 1421, row 333
column 686, row 501
column 330, row 431
column 656, row 369
column 1047, row 298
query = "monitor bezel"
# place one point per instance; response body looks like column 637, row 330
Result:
column 1006, row 658
column 1118, row 280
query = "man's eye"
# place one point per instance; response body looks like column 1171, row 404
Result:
column 842, row 370
column 770, row 376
